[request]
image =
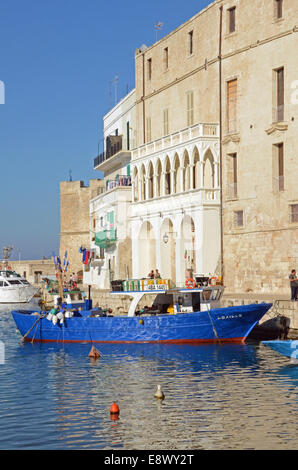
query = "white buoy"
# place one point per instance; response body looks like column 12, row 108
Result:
column 159, row 393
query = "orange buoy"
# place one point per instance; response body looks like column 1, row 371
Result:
column 114, row 410
column 94, row 353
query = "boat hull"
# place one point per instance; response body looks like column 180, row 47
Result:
column 231, row 324
column 285, row 348
column 18, row 295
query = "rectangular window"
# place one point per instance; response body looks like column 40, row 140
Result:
column 232, row 106
column 278, row 109
column 148, row 129
column 190, row 108
column 149, row 69
column 278, row 167
column 190, row 42
column 278, row 9
column 294, row 213
column 232, row 19
column 166, row 58
column 238, row 218
column 165, row 122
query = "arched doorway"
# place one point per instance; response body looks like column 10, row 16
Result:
column 147, row 250
column 188, row 247
column 167, row 250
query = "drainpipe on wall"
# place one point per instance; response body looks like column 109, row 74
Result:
column 220, row 142
column 143, row 98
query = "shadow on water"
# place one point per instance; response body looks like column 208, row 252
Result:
column 212, row 354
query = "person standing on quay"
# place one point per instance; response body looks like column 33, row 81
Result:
column 293, row 284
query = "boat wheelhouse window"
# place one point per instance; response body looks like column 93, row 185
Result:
column 2, row 283
column 13, row 282
column 24, row 281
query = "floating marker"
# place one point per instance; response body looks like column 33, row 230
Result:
column 94, row 353
column 159, row 393
column 114, row 410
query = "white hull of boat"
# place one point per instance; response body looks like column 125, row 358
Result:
column 13, row 294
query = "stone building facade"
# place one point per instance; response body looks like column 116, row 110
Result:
column 176, row 192
column 259, row 144
column 244, row 78
column 74, row 219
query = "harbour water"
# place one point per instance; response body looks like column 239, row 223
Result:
column 216, row 396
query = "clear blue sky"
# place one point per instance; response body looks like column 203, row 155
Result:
column 57, row 59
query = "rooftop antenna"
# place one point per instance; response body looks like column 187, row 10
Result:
column 158, row 27
column 70, row 175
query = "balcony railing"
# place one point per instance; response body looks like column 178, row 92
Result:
column 113, row 146
column 201, row 130
column 120, row 181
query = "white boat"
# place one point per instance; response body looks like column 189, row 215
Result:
column 13, row 287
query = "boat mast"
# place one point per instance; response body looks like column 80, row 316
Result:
column 6, row 255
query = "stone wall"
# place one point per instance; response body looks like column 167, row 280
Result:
column 34, row 270
column 74, row 219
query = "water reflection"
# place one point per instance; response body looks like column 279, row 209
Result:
column 216, row 396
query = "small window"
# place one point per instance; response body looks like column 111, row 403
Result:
column 166, row 58
column 294, row 213
column 278, row 9
column 278, row 167
column 232, row 174
column 190, row 42
column 238, row 218
column 279, row 98
column 149, row 69
column 232, row 97
column 232, row 19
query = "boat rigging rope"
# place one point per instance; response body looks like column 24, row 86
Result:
column 213, row 327
column 42, row 315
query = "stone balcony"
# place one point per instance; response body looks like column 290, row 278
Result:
column 202, row 130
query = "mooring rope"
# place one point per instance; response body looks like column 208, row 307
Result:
column 42, row 315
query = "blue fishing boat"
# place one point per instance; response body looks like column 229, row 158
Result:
column 288, row 348
column 175, row 316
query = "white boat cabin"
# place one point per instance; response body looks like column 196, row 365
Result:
column 175, row 300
